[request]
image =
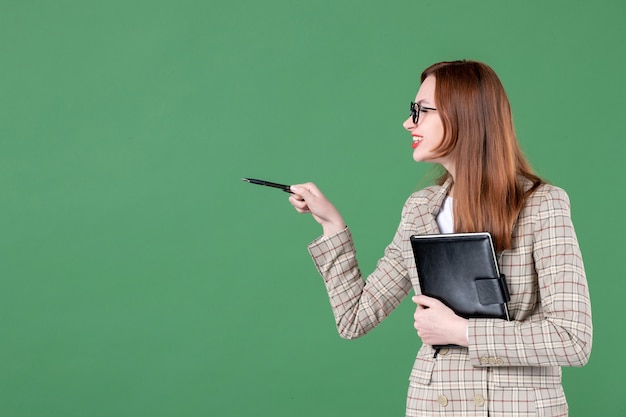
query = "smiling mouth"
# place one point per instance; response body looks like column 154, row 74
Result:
column 416, row 141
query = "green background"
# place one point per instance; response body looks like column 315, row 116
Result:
column 141, row 277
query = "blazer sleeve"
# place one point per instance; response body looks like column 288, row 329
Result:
column 358, row 306
column 559, row 330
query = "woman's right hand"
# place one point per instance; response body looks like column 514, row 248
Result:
column 307, row 198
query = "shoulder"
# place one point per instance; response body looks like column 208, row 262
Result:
column 426, row 195
column 547, row 206
column 423, row 204
column 426, row 199
column 548, row 197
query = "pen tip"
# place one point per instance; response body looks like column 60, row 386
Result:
column 245, row 179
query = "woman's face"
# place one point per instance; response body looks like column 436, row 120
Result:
column 428, row 132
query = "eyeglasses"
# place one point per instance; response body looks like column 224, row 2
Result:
column 415, row 114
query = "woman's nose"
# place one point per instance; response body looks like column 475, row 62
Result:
column 408, row 123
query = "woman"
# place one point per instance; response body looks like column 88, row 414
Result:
column 461, row 119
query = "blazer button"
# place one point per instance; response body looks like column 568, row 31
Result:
column 499, row 361
column 479, row 400
column 484, row 360
column 492, row 360
column 442, row 400
column 444, row 351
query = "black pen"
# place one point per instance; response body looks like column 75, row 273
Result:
column 285, row 188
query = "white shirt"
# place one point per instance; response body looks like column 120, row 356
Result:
column 445, row 218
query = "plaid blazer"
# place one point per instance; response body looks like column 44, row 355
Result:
column 510, row 368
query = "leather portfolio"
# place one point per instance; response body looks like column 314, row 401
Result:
column 461, row 270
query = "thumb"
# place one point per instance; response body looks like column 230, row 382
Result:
column 297, row 189
column 425, row 300
column 304, row 190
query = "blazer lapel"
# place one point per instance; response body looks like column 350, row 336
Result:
column 435, row 206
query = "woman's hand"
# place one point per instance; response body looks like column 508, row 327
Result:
column 436, row 323
column 307, row 198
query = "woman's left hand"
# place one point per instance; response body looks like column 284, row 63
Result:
column 437, row 324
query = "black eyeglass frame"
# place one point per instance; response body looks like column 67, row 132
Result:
column 415, row 115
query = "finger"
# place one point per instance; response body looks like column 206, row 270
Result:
column 299, row 204
column 296, row 198
column 298, row 188
column 304, row 209
column 309, row 196
column 426, row 301
column 306, row 190
column 419, row 306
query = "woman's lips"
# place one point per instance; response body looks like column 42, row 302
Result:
column 416, row 141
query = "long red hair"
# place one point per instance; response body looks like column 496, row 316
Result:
column 480, row 140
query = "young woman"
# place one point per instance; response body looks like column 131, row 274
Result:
column 461, row 119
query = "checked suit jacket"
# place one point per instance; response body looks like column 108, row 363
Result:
column 510, row 368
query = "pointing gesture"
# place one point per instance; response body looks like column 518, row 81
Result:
column 307, row 198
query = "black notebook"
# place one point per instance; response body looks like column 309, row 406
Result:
column 461, row 270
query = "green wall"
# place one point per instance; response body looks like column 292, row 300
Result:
column 140, row 277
